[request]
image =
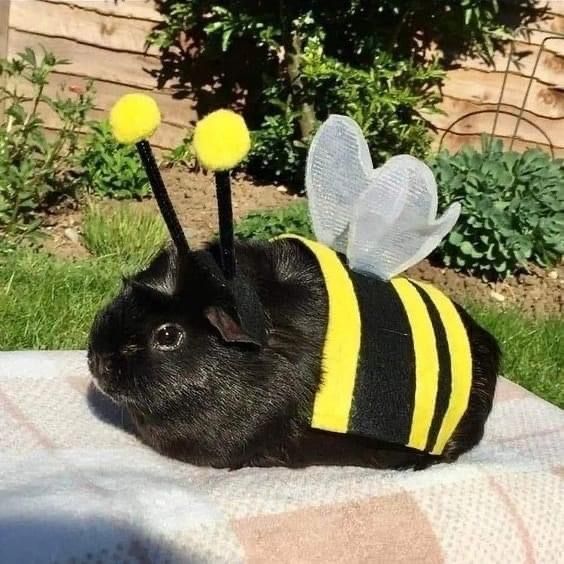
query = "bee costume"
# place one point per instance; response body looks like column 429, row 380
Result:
column 391, row 350
column 396, row 362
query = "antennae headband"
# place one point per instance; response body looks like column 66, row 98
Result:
column 133, row 119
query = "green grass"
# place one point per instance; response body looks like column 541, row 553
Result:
column 533, row 349
column 131, row 236
column 49, row 303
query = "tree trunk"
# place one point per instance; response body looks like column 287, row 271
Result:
column 293, row 60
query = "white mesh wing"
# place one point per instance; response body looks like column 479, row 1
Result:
column 338, row 170
column 394, row 222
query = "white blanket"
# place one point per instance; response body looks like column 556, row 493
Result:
column 77, row 487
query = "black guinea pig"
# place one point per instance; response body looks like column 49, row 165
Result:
column 194, row 393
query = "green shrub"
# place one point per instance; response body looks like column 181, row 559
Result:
column 360, row 26
column 276, row 154
column 512, row 208
column 182, row 154
column 36, row 168
column 385, row 100
column 112, row 169
column 267, row 224
column 131, row 235
column 302, row 60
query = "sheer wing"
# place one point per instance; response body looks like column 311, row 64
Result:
column 339, row 168
column 395, row 222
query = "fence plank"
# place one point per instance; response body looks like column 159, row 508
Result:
column 95, row 62
column 4, row 26
column 482, row 123
column 536, row 37
column 551, row 22
column 68, row 22
column 554, row 6
column 454, row 142
column 484, row 87
column 550, row 68
column 180, row 113
column 138, row 9
column 551, row 6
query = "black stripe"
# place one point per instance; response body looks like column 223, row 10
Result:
column 444, row 385
column 384, row 393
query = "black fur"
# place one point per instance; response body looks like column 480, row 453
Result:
column 234, row 404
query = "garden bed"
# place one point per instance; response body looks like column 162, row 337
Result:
column 539, row 292
column 193, row 195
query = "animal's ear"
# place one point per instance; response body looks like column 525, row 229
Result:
column 233, row 306
column 230, row 330
column 162, row 276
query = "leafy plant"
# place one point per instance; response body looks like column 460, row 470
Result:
column 276, row 154
column 386, row 100
column 267, row 224
column 110, row 168
column 358, row 25
column 512, row 208
column 182, row 154
column 34, row 167
column 131, row 235
column 299, row 61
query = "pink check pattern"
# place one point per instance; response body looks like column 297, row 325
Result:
column 76, row 485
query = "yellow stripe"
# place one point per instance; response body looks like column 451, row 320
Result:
column 333, row 401
column 460, row 365
column 426, row 362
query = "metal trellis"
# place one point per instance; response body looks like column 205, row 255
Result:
column 518, row 111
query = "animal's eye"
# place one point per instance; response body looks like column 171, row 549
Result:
column 168, row 337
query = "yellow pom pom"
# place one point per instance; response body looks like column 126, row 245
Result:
column 221, row 140
column 134, row 117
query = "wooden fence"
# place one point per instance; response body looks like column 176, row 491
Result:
column 105, row 42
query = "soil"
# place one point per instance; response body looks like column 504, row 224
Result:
column 193, row 197
column 537, row 292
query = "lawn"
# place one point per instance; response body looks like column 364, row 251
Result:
column 49, row 303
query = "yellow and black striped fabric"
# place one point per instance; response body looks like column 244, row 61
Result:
column 397, row 363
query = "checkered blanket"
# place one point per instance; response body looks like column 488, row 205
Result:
column 76, row 486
